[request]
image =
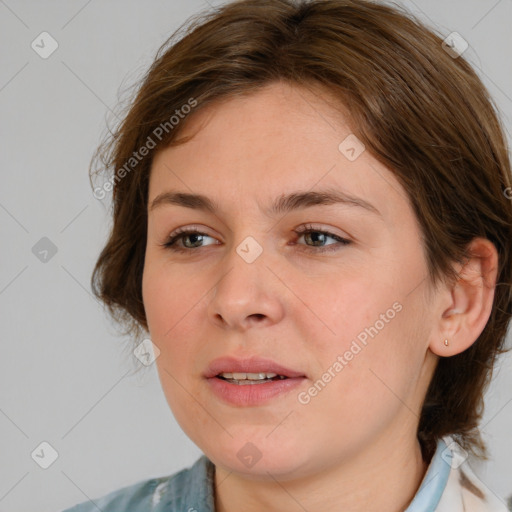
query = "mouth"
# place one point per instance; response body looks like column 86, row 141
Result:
column 253, row 369
column 251, row 382
column 243, row 379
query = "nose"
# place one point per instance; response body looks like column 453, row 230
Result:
column 246, row 294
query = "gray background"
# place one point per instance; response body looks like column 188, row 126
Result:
column 66, row 377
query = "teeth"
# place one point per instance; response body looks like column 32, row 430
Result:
column 248, row 376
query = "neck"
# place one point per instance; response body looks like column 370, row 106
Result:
column 384, row 477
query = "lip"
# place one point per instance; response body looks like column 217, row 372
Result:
column 250, row 394
column 248, row 365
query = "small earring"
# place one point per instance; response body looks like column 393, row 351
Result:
column 446, row 342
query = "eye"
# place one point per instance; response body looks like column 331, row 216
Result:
column 176, row 241
column 309, row 230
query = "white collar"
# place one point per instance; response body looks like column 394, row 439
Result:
column 450, row 485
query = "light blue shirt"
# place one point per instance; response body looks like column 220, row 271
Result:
column 192, row 490
column 434, row 482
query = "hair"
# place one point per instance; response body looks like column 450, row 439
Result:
column 422, row 112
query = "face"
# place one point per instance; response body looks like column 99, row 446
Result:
column 330, row 294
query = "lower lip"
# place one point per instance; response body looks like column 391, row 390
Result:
column 252, row 394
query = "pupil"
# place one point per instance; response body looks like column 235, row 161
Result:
column 315, row 235
column 193, row 236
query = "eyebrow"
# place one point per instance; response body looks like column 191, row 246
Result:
column 282, row 204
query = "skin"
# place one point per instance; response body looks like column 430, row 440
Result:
column 353, row 446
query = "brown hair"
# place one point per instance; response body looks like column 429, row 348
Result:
column 418, row 110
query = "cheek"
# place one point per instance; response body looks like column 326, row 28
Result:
column 374, row 342
column 168, row 296
column 346, row 309
column 174, row 303
column 155, row 295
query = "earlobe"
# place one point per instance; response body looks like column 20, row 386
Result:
column 469, row 301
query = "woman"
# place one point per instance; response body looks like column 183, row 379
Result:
column 312, row 223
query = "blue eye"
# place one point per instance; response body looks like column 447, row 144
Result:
column 178, row 241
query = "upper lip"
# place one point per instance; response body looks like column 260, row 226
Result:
column 254, row 364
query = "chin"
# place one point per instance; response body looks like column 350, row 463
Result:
column 256, row 459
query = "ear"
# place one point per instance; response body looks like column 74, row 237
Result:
column 465, row 306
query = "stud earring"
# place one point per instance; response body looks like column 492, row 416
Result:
column 446, row 342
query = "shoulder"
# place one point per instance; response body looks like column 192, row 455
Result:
column 133, row 497
column 150, row 495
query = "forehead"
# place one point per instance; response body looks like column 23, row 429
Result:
column 277, row 116
column 277, row 140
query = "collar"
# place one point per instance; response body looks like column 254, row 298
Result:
column 433, row 484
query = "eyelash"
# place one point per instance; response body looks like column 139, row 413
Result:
column 307, row 229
